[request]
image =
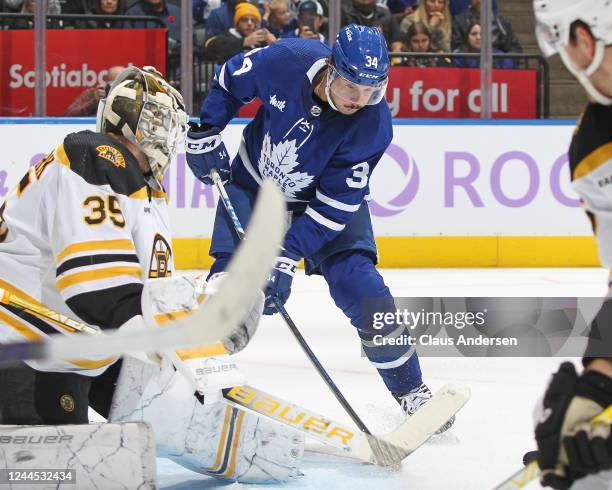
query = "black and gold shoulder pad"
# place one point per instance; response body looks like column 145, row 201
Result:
column 101, row 160
column 592, row 142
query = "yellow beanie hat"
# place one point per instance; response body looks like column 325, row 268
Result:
column 245, row 8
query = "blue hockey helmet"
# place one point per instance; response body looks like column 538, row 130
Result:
column 359, row 56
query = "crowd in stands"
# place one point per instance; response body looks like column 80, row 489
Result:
column 168, row 12
column 425, row 26
column 226, row 27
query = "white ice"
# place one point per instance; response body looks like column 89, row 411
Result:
column 491, row 433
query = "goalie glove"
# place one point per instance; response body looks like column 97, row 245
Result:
column 569, row 445
column 242, row 334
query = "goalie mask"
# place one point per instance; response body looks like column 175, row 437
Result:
column 149, row 112
column 554, row 19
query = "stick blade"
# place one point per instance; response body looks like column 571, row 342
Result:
column 213, row 322
column 385, row 453
column 391, row 448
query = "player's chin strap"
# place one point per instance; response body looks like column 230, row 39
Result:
column 583, row 75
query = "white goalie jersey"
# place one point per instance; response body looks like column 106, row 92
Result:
column 81, row 234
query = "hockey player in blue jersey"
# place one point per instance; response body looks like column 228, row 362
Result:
column 323, row 126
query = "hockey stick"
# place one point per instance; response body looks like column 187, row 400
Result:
column 214, row 321
column 229, row 207
column 531, row 471
column 409, row 436
column 385, row 450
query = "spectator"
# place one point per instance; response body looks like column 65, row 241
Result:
column 11, row 5
column 278, row 19
column 310, row 20
column 169, row 14
column 471, row 44
column 294, row 5
column 6, row 6
column 368, row 13
column 246, row 35
column 202, row 10
column 104, row 7
column 27, row 7
column 435, row 14
column 419, row 40
column 86, row 104
column 222, row 19
column 401, row 8
column 504, row 38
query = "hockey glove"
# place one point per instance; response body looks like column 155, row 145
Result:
column 206, row 151
column 279, row 283
column 570, row 447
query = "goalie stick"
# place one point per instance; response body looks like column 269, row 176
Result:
column 398, row 444
column 530, row 472
column 385, row 450
column 214, row 321
column 394, row 446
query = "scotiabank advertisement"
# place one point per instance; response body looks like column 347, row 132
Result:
column 453, row 93
column 76, row 60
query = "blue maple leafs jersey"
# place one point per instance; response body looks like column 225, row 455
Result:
column 320, row 159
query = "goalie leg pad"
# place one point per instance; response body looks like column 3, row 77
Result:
column 101, row 455
column 213, row 438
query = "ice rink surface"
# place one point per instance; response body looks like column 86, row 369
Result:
column 491, row 433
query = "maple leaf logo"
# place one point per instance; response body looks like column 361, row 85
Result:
column 278, row 162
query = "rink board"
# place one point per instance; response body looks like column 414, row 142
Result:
column 445, row 194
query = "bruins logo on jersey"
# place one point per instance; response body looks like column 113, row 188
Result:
column 111, row 154
column 160, row 258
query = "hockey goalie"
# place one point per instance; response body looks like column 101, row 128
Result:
column 86, row 233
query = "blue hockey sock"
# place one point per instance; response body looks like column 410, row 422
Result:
column 220, row 264
column 358, row 290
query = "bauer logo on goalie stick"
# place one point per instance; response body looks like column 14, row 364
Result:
column 248, row 397
column 160, row 258
column 112, row 155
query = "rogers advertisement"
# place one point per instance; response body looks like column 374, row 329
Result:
column 453, row 93
column 76, row 60
column 442, row 180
